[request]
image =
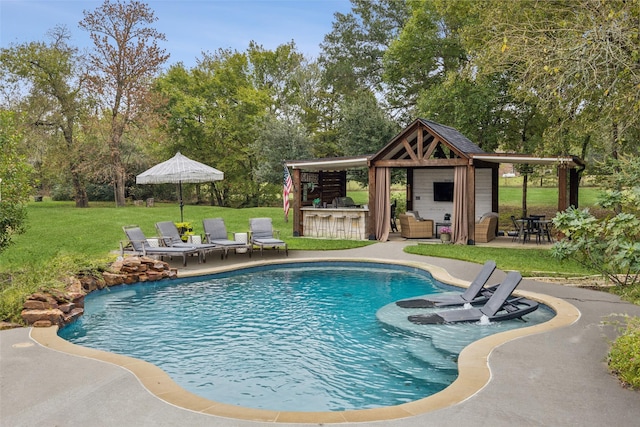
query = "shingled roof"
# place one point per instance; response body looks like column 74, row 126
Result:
column 453, row 137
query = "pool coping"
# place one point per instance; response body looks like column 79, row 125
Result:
column 473, row 366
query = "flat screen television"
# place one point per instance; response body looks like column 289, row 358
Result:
column 443, row 191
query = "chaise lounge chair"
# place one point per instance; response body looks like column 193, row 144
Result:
column 499, row 307
column 138, row 242
column 262, row 235
column 170, row 237
column 215, row 232
column 476, row 293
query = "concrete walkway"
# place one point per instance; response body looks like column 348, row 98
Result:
column 556, row 378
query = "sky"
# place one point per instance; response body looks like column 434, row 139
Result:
column 190, row 26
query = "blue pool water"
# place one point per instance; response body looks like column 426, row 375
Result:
column 302, row 337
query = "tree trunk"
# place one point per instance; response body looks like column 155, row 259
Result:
column 119, row 174
column 119, row 185
column 80, row 192
column 615, row 144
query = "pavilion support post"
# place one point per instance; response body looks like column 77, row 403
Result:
column 495, row 194
column 371, row 223
column 563, row 202
column 574, row 180
column 297, row 203
column 408, row 193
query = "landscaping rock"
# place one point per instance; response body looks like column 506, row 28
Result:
column 60, row 307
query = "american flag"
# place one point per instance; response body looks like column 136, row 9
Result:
column 286, row 189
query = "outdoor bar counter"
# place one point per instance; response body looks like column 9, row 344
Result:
column 338, row 223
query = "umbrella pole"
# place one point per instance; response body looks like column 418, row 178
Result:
column 181, row 204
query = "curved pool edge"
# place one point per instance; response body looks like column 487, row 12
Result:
column 473, row 362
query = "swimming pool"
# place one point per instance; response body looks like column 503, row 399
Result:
column 299, row 337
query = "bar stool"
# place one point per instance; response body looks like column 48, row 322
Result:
column 311, row 224
column 339, row 225
column 324, row 229
column 354, row 226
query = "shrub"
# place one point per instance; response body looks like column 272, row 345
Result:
column 62, row 193
column 610, row 246
column 624, row 356
column 17, row 286
column 100, row 192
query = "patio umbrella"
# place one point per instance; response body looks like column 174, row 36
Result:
column 177, row 170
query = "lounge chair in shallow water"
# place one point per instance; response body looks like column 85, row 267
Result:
column 215, row 232
column 476, row 293
column 262, row 235
column 138, row 242
column 170, row 237
column 498, row 307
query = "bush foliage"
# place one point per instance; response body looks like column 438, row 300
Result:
column 624, row 356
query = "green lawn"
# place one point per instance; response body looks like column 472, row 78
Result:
column 60, row 229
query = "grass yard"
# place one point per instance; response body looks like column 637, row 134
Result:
column 60, row 229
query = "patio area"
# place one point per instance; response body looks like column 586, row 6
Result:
column 557, row 377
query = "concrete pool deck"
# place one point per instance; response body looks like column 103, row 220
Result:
column 558, row 377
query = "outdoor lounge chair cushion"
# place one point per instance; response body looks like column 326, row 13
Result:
column 262, row 234
column 215, row 232
column 139, row 243
column 170, row 237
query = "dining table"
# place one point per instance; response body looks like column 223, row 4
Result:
column 534, row 225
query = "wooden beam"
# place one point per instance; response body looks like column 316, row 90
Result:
column 425, row 162
column 420, row 146
column 432, row 147
column 562, row 187
column 409, row 149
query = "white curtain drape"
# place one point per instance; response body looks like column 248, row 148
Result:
column 460, row 223
column 383, row 203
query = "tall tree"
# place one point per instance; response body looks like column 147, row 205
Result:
column 52, row 73
column 15, row 180
column 578, row 60
column 212, row 113
column 125, row 59
column 425, row 51
column 364, row 128
column 352, row 53
column 478, row 107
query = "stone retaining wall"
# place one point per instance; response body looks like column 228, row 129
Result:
column 53, row 307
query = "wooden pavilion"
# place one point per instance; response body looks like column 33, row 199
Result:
column 436, row 158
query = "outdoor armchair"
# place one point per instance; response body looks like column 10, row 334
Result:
column 411, row 228
column 486, row 228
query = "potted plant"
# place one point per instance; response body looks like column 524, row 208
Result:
column 185, row 229
column 445, row 234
